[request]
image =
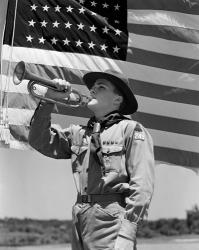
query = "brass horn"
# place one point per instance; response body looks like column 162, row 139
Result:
column 73, row 99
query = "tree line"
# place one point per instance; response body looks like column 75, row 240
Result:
column 20, row 232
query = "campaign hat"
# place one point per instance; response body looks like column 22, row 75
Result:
column 120, row 82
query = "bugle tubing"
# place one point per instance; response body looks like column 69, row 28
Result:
column 73, row 99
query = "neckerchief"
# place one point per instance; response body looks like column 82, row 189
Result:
column 97, row 127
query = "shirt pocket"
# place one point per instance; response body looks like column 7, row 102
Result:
column 78, row 157
column 112, row 158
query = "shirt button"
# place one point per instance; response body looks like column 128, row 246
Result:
column 85, row 189
column 87, row 170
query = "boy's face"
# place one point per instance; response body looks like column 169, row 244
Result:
column 104, row 97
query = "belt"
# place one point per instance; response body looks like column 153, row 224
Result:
column 97, row 198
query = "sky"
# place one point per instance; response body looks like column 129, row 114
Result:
column 34, row 186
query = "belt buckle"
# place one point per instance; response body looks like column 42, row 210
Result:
column 86, row 198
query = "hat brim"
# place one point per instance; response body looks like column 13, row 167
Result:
column 122, row 85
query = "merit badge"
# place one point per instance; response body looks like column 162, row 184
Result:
column 138, row 133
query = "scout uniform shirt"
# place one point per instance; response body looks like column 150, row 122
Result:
column 127, row 153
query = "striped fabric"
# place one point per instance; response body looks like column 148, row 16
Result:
column 162, row 64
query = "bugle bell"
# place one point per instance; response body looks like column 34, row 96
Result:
column 73, row 99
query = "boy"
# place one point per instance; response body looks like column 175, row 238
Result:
column 112, row 162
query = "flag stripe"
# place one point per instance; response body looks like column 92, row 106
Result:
column 172, row 94
column 131, row 70
column 188, row 7
column 166, row 32
column 169, row 124
column 175, row 110
column 163, row 18
column 164, row 61
column 146, row 105
column 152, row 121
column 159, row 45
column 160, row 138
column 173, row 140
column 140, row 88
column 178, row 157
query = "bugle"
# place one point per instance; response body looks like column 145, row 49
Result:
column 73, row 99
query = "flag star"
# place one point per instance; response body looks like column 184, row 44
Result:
column 43, row 24
column 68, row 24
column 103, row 47
column 29, row 38
column 116, row 21
column 33, row 7
column 66, row 41
column 57, row 8
column 118, row 32
column 69, row 8
column 105, row 30
column 93, row 3
column 105, row 5
column 82, row 10
column 91, row 45
column 117, row 7
column 54, row 40
column 93, row 28
column 42, row 40
column 80, row 26
column 31, row 23
column 116, row 49
column 45, row 8
column 56, row 24
column 81, row 1
column 79, row 43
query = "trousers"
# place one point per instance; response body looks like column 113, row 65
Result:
column 96, row 226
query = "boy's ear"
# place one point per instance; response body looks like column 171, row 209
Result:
column 118, row 100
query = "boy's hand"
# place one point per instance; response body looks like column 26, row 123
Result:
column 63, row 90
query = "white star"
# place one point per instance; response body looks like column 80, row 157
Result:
column 31, row 23
column 105, row 5
column 66, row 41
column 42, row 40
column 118, row 32
column 57, row 8
column 116, row 49
column 91, row 45
column 103, row 47
column 81, row 1
column 93, row 3
column 43, row 24
column 68, row 24
column 80, row 26
column 29, row 38
column 116, row 21
column 79, row 43
column 93, row 28
column 82, row 10
column 54, row 40
column 117, row 7
column 56, row 24
column 33, row 7
column 105, row 30
column 69, row 8
column 45, row 8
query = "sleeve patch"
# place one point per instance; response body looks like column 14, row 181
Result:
column 138, row 133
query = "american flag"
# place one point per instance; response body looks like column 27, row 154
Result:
column 155, row 43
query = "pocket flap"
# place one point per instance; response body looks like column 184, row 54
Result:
column 112, row 149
